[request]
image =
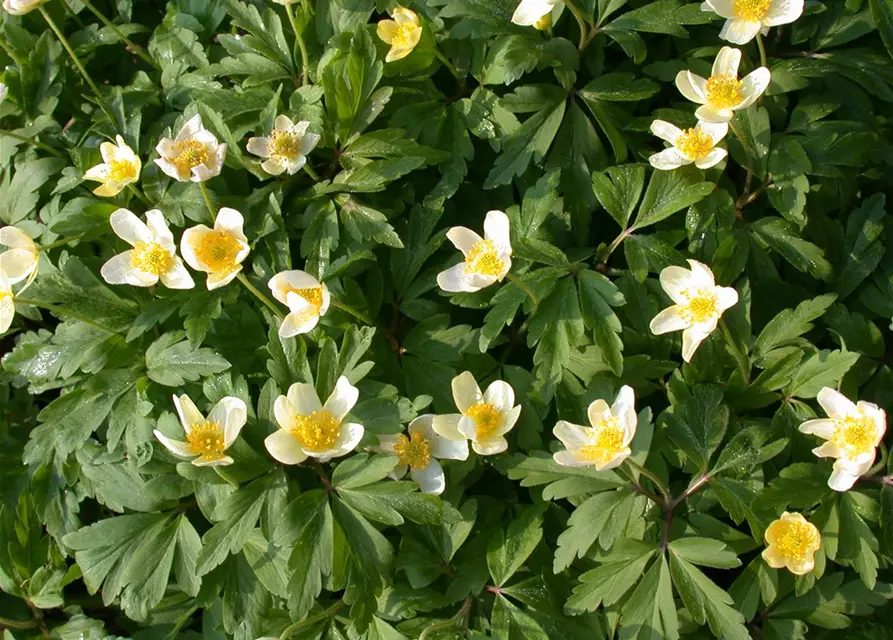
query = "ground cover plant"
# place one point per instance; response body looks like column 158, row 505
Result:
column 521, row 319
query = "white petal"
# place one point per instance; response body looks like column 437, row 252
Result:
column 170, row 169
column 447, row 449
column 221, row 278
column 753, row 86
column 259, row 147
column 120, row 270
column 283, row 282
column 676, row 281
column 284, row 412
column 308, row 141
column 430, row 479
column 712, row 159
column 99, row 172
column 573, row 436
column 176, row 447
column 455, row 280
column 774, row 557
column 326, row 299
column 351, row 434
column 275, row 166
column 709, row 113
column 191, row 129
column 508, row 420
column 842, row 479
column 229, row 219
column 16, row 238
column 716, row 130
column 129, row 228
column 570, row 459
column 191, row 239
column 230, row 413
column 201, row 461
column 783, row 12
column 691, row 340
column 342, row 399
column 386, row 443
column 727, row 61
column 666, row 131
column 614, row 462
column 835, row 404
column 669, row 159
column 298, row 323
column 466, row 392
column 724, row 8
column 501, row 395
column 739, row 31
column 295, row 164
column 177, row 276
column 447, row 426
column 468, row 428
column 726, row 298
column 827, row 450
column 530, row 11
column 303, row 398
column 624, row 408
column 685, row 82
column 18, row 264
column 7, row 313
column 823, row 428
column 496, row 228
column 668, row 320
column 490, row 447
column 157, row 226
column 284, row 448
column 463, row 238
column 188, row 412
column 598, row 412
column 702, row 276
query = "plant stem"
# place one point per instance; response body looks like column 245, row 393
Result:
column 581, row 22
column 881, row 463
column 307, row 622
column 17, row 624
column 348, row 309
column 59, row 243
column 76, row 61
column 741, row 358
column 762, row 49
column 210, row 203
column 10, row 53
column 310, row 172
column 31, row 141
column 665, row 491
column 260, row 296
column 59, row 311
column 693, row 488
column 449, row 65
column 750, row 159
column 300, row 47
column 138, row 50
column 139, row 194
column 616, row 243
column 515, row 280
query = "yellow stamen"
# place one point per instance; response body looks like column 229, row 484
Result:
column 724, row 91
column 190, row 153
column 121, row 171
column 608, row 436
column 5, row 294
column 413, row 451
column 403, row 36
column 543, row 23
column 483, row 259
column 151, row 257
column 701, row 307
column 751, row 10
column 795, row 540
column 487, row 419
column 217, row 250
column 285, row 144
column 694, row 143
column 318, row 431
column 313, row 295
column 855, row 435
column 206, row 440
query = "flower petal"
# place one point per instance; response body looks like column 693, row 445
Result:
column 726, row 63
column 202, row 461
column 447, row 426
column 447, row 449
column 668, row 159
column 726, row 298
column 129, row 228
column 430, row 479
column 676, row 281
column 740, row 31
column 490, row 447
column 188, row 412
column 823, row 428
column 228, row 219
column 177, row 277
column 666, row 131
column 285, row 281
column 774, row 557
column 298, row 322
column 691, row 340
column 709, row 113
column 835, row 404
column 670, row 319
column 463, row 238
column 284, row 448
column 496, row 228
column 783, row 12
column 501, row 395
column 230, row 413
column 716, row 130
column 18, row 264
column 724, row 8
column 842, row 479
column 342, row 399
column 303, row 398
column 455, row 280
column 285, row 413
column 753, row 86
column 386, row 30
column 219, row 279
column 120, row 270
column 351, row 434
column 466, row 392
column 508, row 420
column 570, row 459
column 713, row 158
column 259, row 147
column 7, row 313
column 176, row 447
column 529, row 12
column 690, row 87
column 573, row 436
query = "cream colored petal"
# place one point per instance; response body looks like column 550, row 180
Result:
column 303, row 398
column 669, row 159
column 712, row 159
column 690, row 343
column 386, row 443
column 783, row 12
column 726, row 298
column 99, row 172
column 702, row 276
column 753, row 86
column 189, row 242
column 724, row 8
column 7, row 313
column 570, row 459
column 490, row 447
column 509, row 419
column 170, row 169
column 468, row 428
column 386, row 30
column 572, row 436
column 835, row 404
column 284, row 448
column 687, row 87
column 202, row 461
column 275, row 166
column 309, row 141
column 188, row 412
column 120, row 270
column 229, row 219
column 295, row 164
column 283, row 123
column 297, row 323
column 709, row 113
column 403, row 15
column 177, row 277
column 221, row 279
column 16, row 238
column 455, row 280
column 716, row 130
column 823, row 428
column 802, row 568
column 827, row 450
column 666, row 131
column 326, row 300
column 616, row 461
column 676, row 282
column 598, row 412
column 176, row 447
column 129, row 228
column 342, row 399
column 231, row 414
column 259, row 147
column 668, row 320
column 447, row 426
column 726, row 63
column 157, row 226
column 496, row 228
column 501, row 395
column 430, row 479
column 463, row 239
column 446, row 449
column 624, row 408
column 191, row 129
column 285, row 413
column 529, row 12
column 18, row 264
column 739, row 31
column 284, row 281
column 774, row 558
column 397, row 53
column 351, row 434
column 466, row 392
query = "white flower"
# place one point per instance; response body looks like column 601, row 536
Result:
column 746, row 18
column 529, row 12
column 193, row 155
column 791, row 542
column 419, row 452
column 286, row 148
column 402, row 33
column 723, row 93
column 219, row 252
column 21, row 7
column 206, row 439
column 852, row 433
column 21, row 261
column 605, row 443
column 7, row 303
column 484, row 418
column 309, row 429
column 3, row 91
column 153, row 257
column 487, row 259
column 306, row 298
column 697, row 145
column 120, row 167
column 699, row 305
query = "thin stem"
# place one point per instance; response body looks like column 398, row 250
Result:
column 310, row 172
column 260, row 296
column 882, row 462
column 616, row 243
column 139, row 194
column 10, row 52
column 59, row 243
column 17, row 624
column 322, row 476
column 460, row 617
column 447, row 63
column 581, row 22
column 312, row 620
column 132, row 46
column 300, row 47
column 693, row 488
column 31, row 141
column 210, row 203
column 665, row 491
column 348, row 309
column 748, row 152
column 59, row 311
column 515, row 280
column 762, row 49
column 75, row 60
column 741, row 358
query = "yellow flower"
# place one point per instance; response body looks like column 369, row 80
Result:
column 219, row 252
column 21, row 261
column 402, row 33
column 723, row 93
column 852, row 433
column 605, row 443
column 792, row 542
column 487, row 259
column 484, row 418
column 206, row 438
column 699, row 305
column 696, row 145
column 307, row 300
column 286, row 148
column 194, row 155
column 120, row 167
column 7, row 303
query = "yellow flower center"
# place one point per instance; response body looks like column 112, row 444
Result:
column 5, row 294
column 122, row 170
column 724, row 91
column 285, row 144
column 543, row 23
column 217, row 250
column 796, row 540
column 483, row 259
column 313, row 295
column 608, row 436
column 414, row 451
column 855, row 435
column 751, row 10
column 190, row 153
column 403, row 36
column 487, row 419
column 701, row 307
column 151, row 257
column 317, row 432
column 694, row 143
column 206, row 440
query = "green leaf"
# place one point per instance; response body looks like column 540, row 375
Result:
column 791, row 324
column 822, row 369
column 172, row 361
column 601, row 517
column 618, row 189
column 19, row 196
column 556, row 324
column 781, row 236
column 669, row 192
column 705, row 552
column 390, row 502
column 705, row 601
column 611, row 580
column 650, row 613
column 857, row 546
column 864, row 245
column 882, row 12
column 364, row 223
column 598, row 296
column 698, row 423
column 510, row 622
column 507, row 551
